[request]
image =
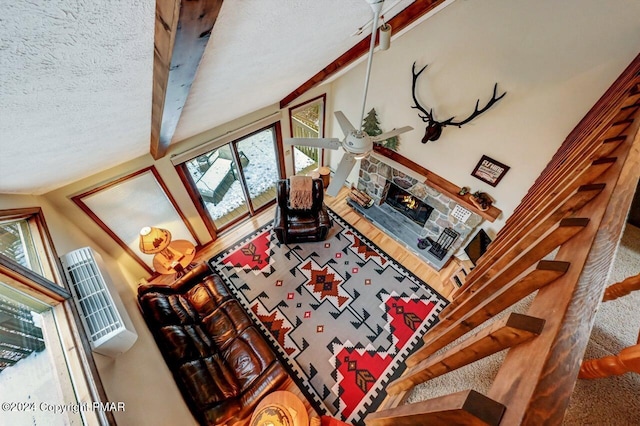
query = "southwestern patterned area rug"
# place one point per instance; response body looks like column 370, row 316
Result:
column 341, row 313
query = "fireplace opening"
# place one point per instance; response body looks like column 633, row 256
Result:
column 410, row 206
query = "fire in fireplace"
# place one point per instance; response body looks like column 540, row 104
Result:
column 413, row 208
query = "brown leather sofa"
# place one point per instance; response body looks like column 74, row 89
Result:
column 219, row 360
column 295, row 226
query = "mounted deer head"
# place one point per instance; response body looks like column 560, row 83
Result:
column 434, row 128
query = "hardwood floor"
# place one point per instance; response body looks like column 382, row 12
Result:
column 338, row 205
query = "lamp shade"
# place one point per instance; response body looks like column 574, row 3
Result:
column 154, row 240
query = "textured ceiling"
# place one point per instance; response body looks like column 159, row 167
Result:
column 76, row 89
column 76, row 76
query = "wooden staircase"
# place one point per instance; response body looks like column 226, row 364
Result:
column 560, row 241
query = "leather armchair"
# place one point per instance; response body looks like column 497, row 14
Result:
column 293, row 225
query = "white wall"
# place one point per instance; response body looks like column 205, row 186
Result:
column 140, row 378
column 554, row 58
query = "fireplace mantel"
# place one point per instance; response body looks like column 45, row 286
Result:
column 437, row 182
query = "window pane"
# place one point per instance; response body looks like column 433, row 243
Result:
column 131, row 203
column 305, row 123
column 16, row 243
column 32, row 368
column 219, row 180
column 216, row 178
column 260, row 166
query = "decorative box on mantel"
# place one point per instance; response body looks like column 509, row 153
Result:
column 376, row 178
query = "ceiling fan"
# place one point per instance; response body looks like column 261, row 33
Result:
column 357, row 144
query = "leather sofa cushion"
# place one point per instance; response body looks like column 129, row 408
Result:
column 188, row 308
column 222, row 365
column 184, row 343
column 206, row 296
column 225, row 323
column 248, row 356
column 225, row 375
column 243, row 407
column 165, row 309
column 209, row 381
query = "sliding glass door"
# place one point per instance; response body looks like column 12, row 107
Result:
column 260, row 172
column 237, row 179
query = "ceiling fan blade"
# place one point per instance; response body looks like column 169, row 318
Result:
column 340, row 176
column 330, row 143
column 392, row 133
column 344, row 123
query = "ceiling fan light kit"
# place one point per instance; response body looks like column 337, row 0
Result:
column 357, row 144
column 385, row 37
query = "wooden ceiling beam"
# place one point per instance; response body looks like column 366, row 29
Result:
column 403, row 19
column 182, row 30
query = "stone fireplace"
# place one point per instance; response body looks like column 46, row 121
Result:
column 408, row 205
column 388, row 186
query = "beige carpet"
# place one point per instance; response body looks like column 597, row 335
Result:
column 614, row 400
column 610, row 401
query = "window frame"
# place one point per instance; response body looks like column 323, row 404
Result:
column 41, row 239
column 321, row 99
column 231, row 139
column 138, row 256
column 55, row 292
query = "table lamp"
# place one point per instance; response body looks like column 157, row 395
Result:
column 157, row 241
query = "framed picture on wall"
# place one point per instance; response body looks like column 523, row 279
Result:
column 489, row 170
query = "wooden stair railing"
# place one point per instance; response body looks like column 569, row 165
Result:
column 468, row 408
column 546, row 373
column 507, row 277
column 628, row 360
column 574, row 213
column 514, row 329
column 622, row 288
column 544, row 273
column 579, row 167
column 520, row 257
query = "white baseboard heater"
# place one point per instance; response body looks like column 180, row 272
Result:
column 103, row 316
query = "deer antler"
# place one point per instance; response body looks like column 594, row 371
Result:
column 477, row 111
column 434, row 127
column 428, row 115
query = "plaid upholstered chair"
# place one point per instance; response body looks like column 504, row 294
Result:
column 294, row 225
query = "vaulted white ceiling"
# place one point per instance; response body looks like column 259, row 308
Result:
column 76, row 76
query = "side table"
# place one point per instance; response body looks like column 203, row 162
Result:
column 280, row 408
column 178, row 265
